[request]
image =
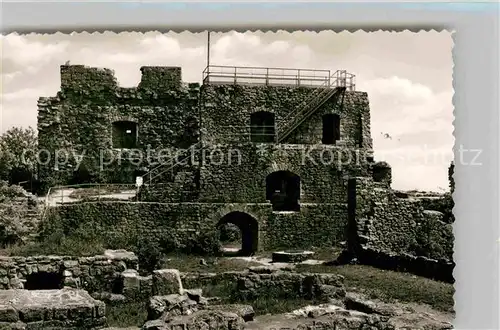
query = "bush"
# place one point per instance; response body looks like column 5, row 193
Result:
column 149, row 255
column 205, row 244
column 230, row 233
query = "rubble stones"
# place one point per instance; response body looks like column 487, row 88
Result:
column 291, row 257
column 134, row 285
column 246, row 312
column 208, row 320
column 167, row 281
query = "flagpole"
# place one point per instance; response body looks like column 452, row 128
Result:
column 208, row 51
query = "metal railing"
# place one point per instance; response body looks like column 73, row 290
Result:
column 220, row 74
column 231, row 131
column 58, row 195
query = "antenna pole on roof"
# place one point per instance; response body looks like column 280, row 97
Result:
column 208, row 49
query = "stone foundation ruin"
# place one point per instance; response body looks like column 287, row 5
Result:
column 50, row 309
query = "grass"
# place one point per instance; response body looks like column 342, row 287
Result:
column 391, row 286
column 319, row 253
column 133, row 313
column 80, row 247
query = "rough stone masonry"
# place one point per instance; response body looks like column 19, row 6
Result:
column 291, row 194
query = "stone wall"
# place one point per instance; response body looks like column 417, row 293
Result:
column 223, row 106
column 237, row 173
column 94, row 274
column 78, row 121
column 171, row 115
column 259, row 282
column 192, row 226
column 396, row 232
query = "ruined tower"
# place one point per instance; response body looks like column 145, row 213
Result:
column 270, row 150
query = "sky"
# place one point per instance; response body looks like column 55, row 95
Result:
column 408, row 78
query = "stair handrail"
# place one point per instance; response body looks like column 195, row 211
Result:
column 300, row 117
column 193, row 146
column 171, row 166
column 308, row 104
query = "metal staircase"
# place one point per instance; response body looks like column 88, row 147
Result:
column 172, row 161
column 336, row 84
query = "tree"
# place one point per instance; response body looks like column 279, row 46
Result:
column 18, row 150
column 451, row 172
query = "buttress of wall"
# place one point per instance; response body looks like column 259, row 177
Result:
column 226, row 111
column 389, row 223
column 79, row 119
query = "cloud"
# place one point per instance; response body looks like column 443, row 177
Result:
column 408, row 110
column 23, row 94
column 24, row 52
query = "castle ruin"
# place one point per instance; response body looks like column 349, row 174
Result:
column 283, row 154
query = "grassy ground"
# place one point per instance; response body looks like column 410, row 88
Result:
column 186, row 263
column 127, row 315
column 62, row 246
column 376, row 283
column 391, row 286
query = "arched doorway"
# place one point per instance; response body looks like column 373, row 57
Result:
column 248, row 228
column 283, row 190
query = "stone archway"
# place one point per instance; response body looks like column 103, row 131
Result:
column 249, row 229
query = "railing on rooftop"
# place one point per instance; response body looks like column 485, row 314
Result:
column 219, row 74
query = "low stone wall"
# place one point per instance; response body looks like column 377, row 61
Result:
column 94, row 274
column 264, row 282
column 395, row 231
column 191, row 226
column 441, row 270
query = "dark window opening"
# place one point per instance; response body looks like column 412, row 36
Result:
column 44, row 281
column 262, row 127
column 124, row 135
column 20, row 175
column 117, row 285
column 247, row 238
column 360, row 131
column 81, row 175
column 382, row 172
column 283, row 191
column 331, row 128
